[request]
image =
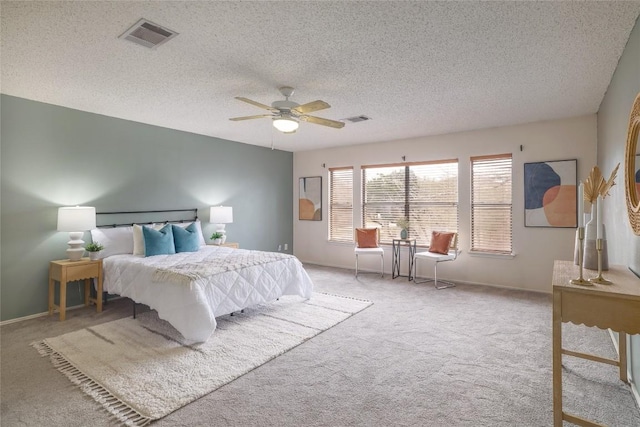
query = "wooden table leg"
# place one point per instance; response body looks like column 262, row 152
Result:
column 87, row 291
column 99, row 292
column 622, row 348
column 52, row 294
column 63, row 300
column 557, row 359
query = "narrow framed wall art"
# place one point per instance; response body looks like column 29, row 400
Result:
column 310, row 198
column 550, row 194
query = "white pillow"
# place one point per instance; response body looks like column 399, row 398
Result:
column 138, row 237
column 198, row 230
column 116, row 240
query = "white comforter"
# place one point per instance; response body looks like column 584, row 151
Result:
column 192, row 309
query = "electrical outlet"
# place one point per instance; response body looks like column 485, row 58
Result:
column 279, row 248
column 286, row 246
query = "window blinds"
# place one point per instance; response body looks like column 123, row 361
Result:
column 491, row 204
column 341, row 204
column 425, row 193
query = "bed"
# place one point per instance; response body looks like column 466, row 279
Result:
column 190, row 289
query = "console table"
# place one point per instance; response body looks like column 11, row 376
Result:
column 395, row 265
column 615, row 307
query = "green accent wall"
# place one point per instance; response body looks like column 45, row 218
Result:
column 53, row 156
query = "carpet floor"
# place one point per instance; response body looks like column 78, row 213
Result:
column 465, row 356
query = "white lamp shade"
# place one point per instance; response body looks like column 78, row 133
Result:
column 78, row 218
column 221, row 215
column 285, row 125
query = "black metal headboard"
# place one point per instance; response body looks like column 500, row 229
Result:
column 128, row 218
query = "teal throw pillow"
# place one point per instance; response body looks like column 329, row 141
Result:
column 186, row 239
column 158, row 242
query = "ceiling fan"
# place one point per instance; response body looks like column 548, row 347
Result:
column 286, row 114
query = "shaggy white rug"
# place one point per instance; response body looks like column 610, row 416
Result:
column 142, row 369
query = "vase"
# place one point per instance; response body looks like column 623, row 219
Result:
column 576, row 251
column 403, row 233
column 590, row 260
column 94, row 255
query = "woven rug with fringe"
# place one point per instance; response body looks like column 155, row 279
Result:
column 142, row 369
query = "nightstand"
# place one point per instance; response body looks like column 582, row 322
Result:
column 233, row 245
column 65, row 271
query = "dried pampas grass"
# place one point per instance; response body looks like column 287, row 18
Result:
column 595, row 184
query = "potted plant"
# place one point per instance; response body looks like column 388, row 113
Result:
column 403, row 223
column 216, row 237
column 94, row 249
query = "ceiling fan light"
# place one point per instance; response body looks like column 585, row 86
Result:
column 285, row 125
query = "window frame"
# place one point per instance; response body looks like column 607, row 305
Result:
column 498, row 249
column 407, row 203
column 333, row 236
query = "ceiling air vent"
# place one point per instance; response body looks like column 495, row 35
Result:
column 356, row 119
column 148, row 34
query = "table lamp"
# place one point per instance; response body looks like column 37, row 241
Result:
column 221, row 215
column 76, row 220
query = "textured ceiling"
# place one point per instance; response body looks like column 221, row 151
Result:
column 416, row 68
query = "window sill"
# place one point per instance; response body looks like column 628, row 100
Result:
column 337, row 243
column 353, row 244
column 491, row 255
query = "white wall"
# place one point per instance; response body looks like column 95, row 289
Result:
column 535, row 248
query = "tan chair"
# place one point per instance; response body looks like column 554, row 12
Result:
column 452, row 255
column 363, row 238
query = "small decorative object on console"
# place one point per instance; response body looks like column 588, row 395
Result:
column 596, row 186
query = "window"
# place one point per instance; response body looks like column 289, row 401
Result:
column 425, row 193
column 491, row 204
column 341, row 204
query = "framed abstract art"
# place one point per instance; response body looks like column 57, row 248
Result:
column 310, row 198
column 550, row 194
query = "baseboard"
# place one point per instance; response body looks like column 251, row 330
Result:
column 492, row 285
column 35, row 316
column 46, row 313
column 462, row 282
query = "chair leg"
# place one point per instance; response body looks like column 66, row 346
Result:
column 356, row 265
column 415, row 274
column 435, row 280
column 381, row 265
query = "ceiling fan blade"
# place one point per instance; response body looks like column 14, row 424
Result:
column 256, row 103
column 311, row 107
column 323, row 122
column 259, row 116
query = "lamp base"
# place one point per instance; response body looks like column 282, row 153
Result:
column 75, row 254
column 220, row 228
column 76, row 249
